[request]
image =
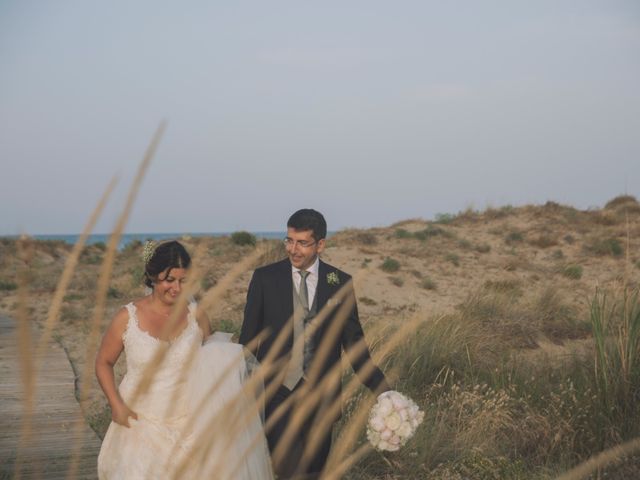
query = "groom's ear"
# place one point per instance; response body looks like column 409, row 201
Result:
column 321, row 244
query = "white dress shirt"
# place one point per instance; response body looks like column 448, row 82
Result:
column 312, row 279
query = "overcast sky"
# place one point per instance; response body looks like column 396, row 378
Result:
column 369, row 111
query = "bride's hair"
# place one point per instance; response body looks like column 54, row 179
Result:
column 166, row 255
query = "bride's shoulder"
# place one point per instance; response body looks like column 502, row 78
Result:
column 126, row 312
column 120, row 321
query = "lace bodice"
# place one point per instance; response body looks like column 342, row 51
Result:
column 167, row 361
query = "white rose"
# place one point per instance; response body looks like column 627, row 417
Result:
column 385, row 406
column 383, row 445
column 374, row 437
column 386, row 434
column 377, row 423
column 399, row 401
column 405, row 430
column 393, row 421
column 404, row 414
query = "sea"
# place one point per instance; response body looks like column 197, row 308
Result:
column 127, row 238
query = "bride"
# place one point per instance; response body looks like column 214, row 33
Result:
column 182, row 409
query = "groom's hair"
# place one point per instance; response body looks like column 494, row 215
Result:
column 309, row 219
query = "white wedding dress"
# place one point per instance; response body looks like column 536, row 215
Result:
column 197, row 417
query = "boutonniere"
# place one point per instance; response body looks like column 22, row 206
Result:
column 333, row 279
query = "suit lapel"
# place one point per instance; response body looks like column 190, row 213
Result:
column 285, row 288
column 322, row 290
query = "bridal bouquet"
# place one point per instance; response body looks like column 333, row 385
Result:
column 393, row 420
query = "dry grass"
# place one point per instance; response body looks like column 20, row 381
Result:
column 501, row 359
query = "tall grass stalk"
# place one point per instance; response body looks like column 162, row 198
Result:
column 103, row 286
column 616, row 335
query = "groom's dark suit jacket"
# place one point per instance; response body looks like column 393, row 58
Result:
column 270, row 306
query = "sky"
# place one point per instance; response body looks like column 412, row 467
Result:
column 369, row 111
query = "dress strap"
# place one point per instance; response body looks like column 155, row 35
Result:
column 133, row 319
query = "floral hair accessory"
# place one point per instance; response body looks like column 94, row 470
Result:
column 393, row 420
column 333, row 279
column 147, row 251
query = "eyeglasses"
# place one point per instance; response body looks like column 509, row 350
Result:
column 290, row 242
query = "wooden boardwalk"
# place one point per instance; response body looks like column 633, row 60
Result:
column 47, row 452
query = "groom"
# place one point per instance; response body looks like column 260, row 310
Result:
column 285, row 301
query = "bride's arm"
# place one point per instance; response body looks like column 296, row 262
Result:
column 110, row 349
column 203, row 323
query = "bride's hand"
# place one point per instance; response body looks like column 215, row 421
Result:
column 121, row 413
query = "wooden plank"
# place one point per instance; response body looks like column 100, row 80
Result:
column 47, row 452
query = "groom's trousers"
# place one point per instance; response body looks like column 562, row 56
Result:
column 289, row 465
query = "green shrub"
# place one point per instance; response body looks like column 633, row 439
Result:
column 544, row 240
column 428, row 284
column 421, row 235
column 432, row 231
column 464, row 243
column 92, row 254
column 114, row 293
column 72, row 297
column 208, row 281
column 608, row 246
column 513, row 237
column 8, row 285
column 483, row 248
column 504, row 286
column 453, row 258
column 402, row 233
column 502, row 212
column 572, row 271
column 390, row 265
column 397, row 281
column 69, row 314
column 366, row 238
column 229, row 326
column 137, row 274
column 444, row 218
column 132, row 247
column 242, row 238
column 90, row 259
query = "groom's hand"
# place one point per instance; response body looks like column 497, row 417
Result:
column 121, row 414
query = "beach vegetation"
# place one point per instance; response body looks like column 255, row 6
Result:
column 572, row 271
column 390, row 265
column 243, row 238
column 605, row 246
